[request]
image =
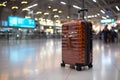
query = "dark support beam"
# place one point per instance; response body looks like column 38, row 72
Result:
column 69, row 8
column 83, row 6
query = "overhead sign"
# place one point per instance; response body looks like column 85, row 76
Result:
column 105, row 21
column 19, row 22
column 108, row 12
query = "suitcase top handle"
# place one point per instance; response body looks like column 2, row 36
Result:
column 82, row 10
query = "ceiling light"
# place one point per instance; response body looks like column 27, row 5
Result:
column 117, row 8
column 58, row 21
column 40, row 19
column 55, row 10
column 49, row 7
column 63, row 3
column 46, row 13
column 103, row 17
column 59, row 11
column 32, row 6
column 27, row 17
column 14, row 7
column 5, row 2
column 77, row 7
column 102, row 11
column 39, row 12
column 68, row 17
column 3, row 5
column 25, row 9
column 85, row 17
column 98, row 14
column 107, row 16
column 94, row 1
column 89, row 16
column 24, row 2
column 36, row 19
column 95, row 16
column 92, row 16
column 56, row 16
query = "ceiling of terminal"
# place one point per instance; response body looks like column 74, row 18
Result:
column 64, row 9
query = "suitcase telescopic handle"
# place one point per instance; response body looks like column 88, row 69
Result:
column 83, row 10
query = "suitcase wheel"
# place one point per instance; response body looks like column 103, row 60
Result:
column 90, row 65
column 78, row 68
column 72, row 66
column 62, row 64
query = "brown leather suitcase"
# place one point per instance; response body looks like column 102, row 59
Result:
column 77, row 44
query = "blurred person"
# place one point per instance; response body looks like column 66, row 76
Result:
column 119, row 35
column 113, row 35
column 106, row 34
column 43, row 34
column 100, row 35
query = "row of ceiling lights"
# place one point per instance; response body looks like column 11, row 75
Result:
column 115, row 6
column 64, row 3
column 46, row 13
column 13, row 7
column 92, row 16
column 77, row 7
column 25, row 2
column 27, row 8
column 118, row 9
column 39, row 12
column 3, row 4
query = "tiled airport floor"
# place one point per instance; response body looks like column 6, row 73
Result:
column 40, row 60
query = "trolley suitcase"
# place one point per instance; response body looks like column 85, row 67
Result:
column 77, row 44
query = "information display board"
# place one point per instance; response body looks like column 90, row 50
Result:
column 105, row 21
column 18, row 22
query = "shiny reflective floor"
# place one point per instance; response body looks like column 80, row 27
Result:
column 40, row 60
